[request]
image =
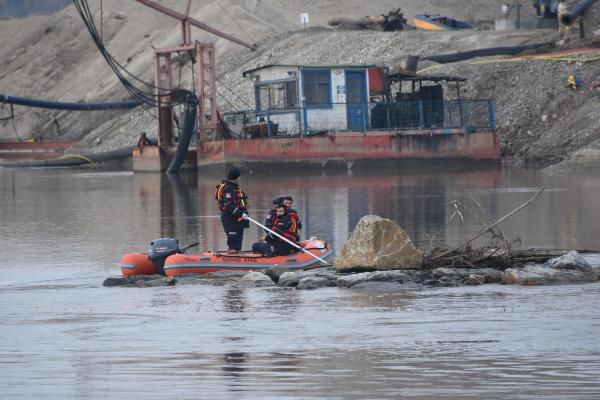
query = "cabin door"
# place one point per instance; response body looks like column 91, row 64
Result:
column 356, row 100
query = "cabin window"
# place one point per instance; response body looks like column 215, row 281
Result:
column 317, row 88
column 280, row 95
column 291, row 93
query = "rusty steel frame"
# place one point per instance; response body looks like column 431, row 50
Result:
column 186, row 21
column 205, row 57
column 206, row 89
column 206, row 67
column 165, row 134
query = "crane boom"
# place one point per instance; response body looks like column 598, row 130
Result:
column 192, row 21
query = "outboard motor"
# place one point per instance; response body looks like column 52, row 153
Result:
column 160, row 249
column 153, row 262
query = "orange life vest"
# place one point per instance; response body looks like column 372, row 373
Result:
column 291, row 233
column 239, row 198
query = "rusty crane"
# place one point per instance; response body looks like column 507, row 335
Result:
column 204, row 54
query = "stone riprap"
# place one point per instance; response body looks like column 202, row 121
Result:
column 378, row 244
column 530, row 275
column 571, row 261
column 275, row 272
column 315, row 282
column 569, row 268
column 536, row 275
column 254, row 278
column 490, row 275
column 140, row 281
column 351, row 280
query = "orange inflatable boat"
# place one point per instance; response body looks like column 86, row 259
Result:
column 166, row 258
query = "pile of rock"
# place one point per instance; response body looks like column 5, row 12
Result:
column 392, row 21
column 570, row 268
column 140, row 281
column 380, row 254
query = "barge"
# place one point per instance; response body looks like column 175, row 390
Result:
column 344, row 116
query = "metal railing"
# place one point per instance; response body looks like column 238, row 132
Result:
column 469, row 115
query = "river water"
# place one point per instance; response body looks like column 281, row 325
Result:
column 65, row 336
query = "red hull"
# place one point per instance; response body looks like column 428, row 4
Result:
column 351, row 147
column 179, row 264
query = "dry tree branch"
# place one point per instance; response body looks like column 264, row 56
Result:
column 491, row 226
column 497, row 233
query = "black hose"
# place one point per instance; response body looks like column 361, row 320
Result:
column 55, row 105
column 189, row 118
column 491, row 51
column 575, row 12
column 72, row 160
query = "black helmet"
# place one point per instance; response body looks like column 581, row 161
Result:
column 233, row 174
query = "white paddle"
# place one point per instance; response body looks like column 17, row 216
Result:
column 285, row 239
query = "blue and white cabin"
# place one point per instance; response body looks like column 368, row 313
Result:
column 308, row 99
column 303, row 98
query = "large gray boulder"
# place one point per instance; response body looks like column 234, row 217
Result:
column 314, row 282
column 275, row 272
column 289, row 279
column 254, row 278
column 140, row 281
column 219, row 278
column 489, row 275
column 475, row 279
column 352, row 280
column 536, row 275
column 378, row 243
column 571, row 261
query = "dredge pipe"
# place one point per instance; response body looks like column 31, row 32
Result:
column 491, row 51
column 71, row 160
column 575, row 12
column 55, row 105
column 190, row 101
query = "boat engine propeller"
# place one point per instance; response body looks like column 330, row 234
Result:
column 162, row 248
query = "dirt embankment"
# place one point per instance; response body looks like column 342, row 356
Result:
column 52, row 57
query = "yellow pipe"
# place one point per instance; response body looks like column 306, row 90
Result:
column 427, row 25
column 76, row 156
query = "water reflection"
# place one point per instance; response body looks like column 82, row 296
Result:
column 382, row 297
column 115, row 213
column 234, row 300
column 284, row 301
column 234, row 364
column 64, row 231
column 421, row 201
column 174, row 197
column 330, row 205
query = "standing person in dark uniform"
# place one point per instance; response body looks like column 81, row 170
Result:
column 233, row 206
column 285, row 226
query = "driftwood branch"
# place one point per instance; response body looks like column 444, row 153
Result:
column 486, row 229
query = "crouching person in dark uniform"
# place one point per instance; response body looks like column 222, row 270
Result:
column 288, row 201
column 285, row 226
column 233, row 206
column 272, row 213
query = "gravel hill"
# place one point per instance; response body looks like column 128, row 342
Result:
column 53, row 57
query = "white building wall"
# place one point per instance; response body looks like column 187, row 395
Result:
column 289, row 123
column 331, row 118
column 277, row 73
